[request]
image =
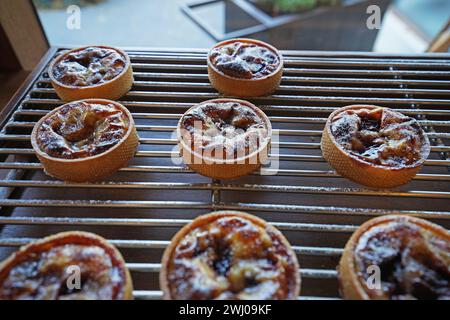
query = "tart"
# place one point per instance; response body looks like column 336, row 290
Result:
column 85, row 140
column 229, row 255
column 224, row 138
column 413, row 257
column 91, row 72
column 245, row 67
column 46, row 270
column 374, row 146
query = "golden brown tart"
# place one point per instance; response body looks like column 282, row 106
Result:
column 224, row 138
column 245, row 67
column 91, row 72
column 85, row 140
column 229, row 255
column 374, row 146
column 413, row 257
column 42, row 270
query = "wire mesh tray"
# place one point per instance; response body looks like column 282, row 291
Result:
column 141, row 207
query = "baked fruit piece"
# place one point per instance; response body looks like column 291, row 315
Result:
column 374, row 146
column 42, row 269
column 245, row 67
column 229, row 255
column 224, row 138
column 85, row 140
column 413, row 256
column 91, row 72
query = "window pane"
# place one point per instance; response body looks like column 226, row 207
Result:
column 350, row 25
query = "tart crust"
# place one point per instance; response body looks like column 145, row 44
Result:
column 360, row 171
column 349, row 282
column 225, row 169
column 72, row 238
column 208, row 218
column 112, row 89
column 93, row 168
column 245, row 87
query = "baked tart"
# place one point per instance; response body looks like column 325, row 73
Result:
column 46, row 270
column 85, row 140
column 91, row 72
column 413, row 257
column 224, row 138
column 245, row 67
column 229, row 255
column 374, row 146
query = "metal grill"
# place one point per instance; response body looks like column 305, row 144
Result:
column 141, row 207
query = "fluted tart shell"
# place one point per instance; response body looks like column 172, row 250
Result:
column 350, row 284
column 112, row 89
column 366, row 173
column 239, row 87
column 72, row 238
column 211, row 217
column 92, row 168
column 226, row 168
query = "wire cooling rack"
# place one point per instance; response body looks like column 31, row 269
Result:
column 141, row 207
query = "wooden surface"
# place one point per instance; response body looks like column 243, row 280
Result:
column 9, row 83
column 23, row 29
column 8, row 59
column 441, row 42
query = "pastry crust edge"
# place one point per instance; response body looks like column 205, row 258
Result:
column 365, row 173
column 112, row 89
column 245, row 87
column 349, row 285
column 68, row 237
column 213, row 170
column 207, row 218
column 93, row 168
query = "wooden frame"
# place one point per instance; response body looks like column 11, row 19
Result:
column 441, row 42
column 24, row 41
column 27, row 83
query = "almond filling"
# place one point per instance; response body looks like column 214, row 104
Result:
column 245, row 60
column 380, row 136
column 231, row 258
column 82, row 130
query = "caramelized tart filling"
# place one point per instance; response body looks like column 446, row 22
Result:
column 44, row 275
column 232, row 258
column 82, row 129
column 89, row 66
column 225, row 129
column 244, row 60
column 414, row 262
column 381, row 136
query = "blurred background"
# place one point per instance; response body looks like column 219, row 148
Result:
column 398, row 25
